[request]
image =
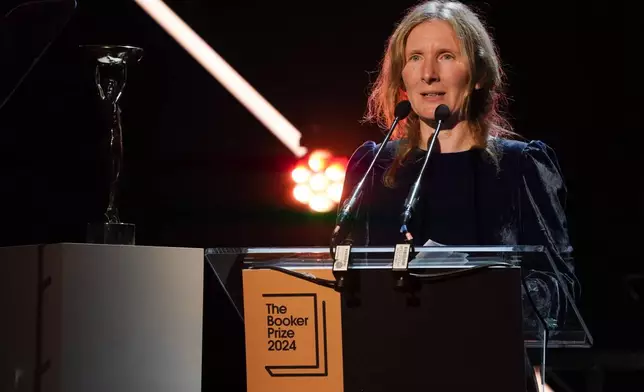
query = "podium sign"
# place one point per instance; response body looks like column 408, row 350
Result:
column 293, row 333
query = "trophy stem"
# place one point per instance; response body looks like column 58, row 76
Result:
column 116, row 156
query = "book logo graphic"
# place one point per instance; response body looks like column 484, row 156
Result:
column 296, row 336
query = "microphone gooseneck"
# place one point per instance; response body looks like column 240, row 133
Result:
column 441, row 114
column 401, row 111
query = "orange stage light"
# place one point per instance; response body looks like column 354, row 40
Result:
column 318, row 180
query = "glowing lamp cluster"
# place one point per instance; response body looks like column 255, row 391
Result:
column 318, row 180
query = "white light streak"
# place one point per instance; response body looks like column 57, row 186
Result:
column 225, row 74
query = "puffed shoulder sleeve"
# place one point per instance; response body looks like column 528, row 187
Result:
column 543, row 202
column 543, row 220
column 357, row 166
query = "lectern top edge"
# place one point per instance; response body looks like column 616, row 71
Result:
column 377, row 249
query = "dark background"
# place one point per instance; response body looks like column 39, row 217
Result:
column 202, row 171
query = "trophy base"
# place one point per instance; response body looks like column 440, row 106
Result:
column 111, row 233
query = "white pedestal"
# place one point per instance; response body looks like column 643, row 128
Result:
column 101, row 318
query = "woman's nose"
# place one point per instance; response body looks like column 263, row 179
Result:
column 429, row 73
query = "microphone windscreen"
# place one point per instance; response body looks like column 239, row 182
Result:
column 402, row 109
column 441, row 113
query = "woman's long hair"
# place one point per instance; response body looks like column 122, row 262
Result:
column 482, row 106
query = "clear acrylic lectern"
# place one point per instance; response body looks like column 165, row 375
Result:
column 502, row 291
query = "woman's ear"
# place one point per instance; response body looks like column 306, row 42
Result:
column 480, row 81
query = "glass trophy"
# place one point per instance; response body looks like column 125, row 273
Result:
column 110, row 77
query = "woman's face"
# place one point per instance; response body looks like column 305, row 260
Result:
column 436, row 70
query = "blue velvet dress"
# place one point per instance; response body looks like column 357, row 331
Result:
column 466, row 198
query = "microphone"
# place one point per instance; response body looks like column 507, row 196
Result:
column 341, row 254
column 402, row 110
column 402, row 251
column 441, row 114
